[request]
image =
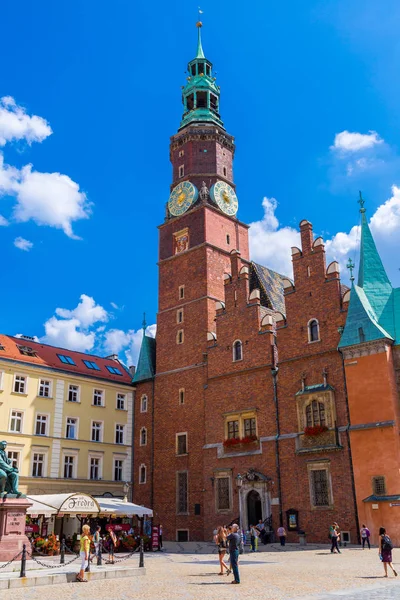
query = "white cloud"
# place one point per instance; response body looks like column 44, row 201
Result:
column 347, row 141
column 386, row 219
column 3, row 221
column 15, row 124
column 23, row 244
column 270, row 244
column 114, row 305
column 87, row 312
column 129, row 342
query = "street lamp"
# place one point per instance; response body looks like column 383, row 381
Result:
column 239, row 480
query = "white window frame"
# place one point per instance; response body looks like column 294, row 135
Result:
column 310, row 341
column 123, row 434
column 177, row 446
column 181, row 171
column 22, row 412
column 16, row 451
column 179, row 312
column 1, row 381
column 25, row 392
column 144, row 401
column 99, row 457
column 140, row 474
column 233, row 351
column 101, row 430
column 41, row 414
column 78, row 393
column 43, row 452
column 143, row 429
column 103, row 395
column 121, row 460
column 125, row 400
column 76, row 426
column 50, row 382
column 180, row 336
column 74, row 454
column 181, row 292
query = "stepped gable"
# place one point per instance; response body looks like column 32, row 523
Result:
column 270, row 284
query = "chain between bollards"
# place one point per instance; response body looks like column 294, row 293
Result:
column 141, row 559
column 23, row 562
column 62, row 552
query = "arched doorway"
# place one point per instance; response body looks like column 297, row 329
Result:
column 254, row 509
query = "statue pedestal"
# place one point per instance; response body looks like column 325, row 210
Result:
column 12, row 527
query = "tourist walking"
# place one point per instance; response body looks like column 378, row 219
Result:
column 234, row 543
column 220, row 540
column 385, row 550
column 84, row 550
column 281, row 533
column 335, row 536
column 365, row 535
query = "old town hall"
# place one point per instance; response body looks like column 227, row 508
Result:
column 241, row 404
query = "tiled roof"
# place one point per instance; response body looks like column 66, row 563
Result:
column 146, row 367
column 270, row 284
column 48, row 357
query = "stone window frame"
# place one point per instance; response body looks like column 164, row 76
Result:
column 76, row 427
column 223, row 474
column 179, row 315
column 142, row 470
column 16, row 450
column 240, row 416
column 178, row 512
column 177, row 435
column 144, row 403
column 143, row 430
column 180, row 336
column 326, row 397
column 181, row 292
column 311, row 341
column 237, row 344
column 71, row 453
column 320, row 465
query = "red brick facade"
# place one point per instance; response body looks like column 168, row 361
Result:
column 208, row 300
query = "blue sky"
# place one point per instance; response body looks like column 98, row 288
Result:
column 309, row 89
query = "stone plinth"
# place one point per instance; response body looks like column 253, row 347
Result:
column 12, row 527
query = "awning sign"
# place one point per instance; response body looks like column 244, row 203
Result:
column 78, row 504
column 395, row 504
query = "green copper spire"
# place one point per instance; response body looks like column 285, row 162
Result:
column 200, row 53
column 372, row 276
column 146, row 367
column 200, row 95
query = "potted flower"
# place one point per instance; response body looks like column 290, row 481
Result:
column 315, row 431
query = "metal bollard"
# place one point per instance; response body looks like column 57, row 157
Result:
column 99, row 552
column 23, row 562
column 141, row 558
column 62, row 552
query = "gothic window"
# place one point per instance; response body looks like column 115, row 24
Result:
column 143, row 404
column 320, row 484
column 378, row 486
column 222, row 491
column 315, row 414
column 237, row 350
column 313, row 331
column 182, row 492
column 143, row 436
column 142, row 474
column 250, row 427
column 233, row 430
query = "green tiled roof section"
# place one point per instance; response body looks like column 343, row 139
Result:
column 372, row 276
column 200, row 53
column 312, row 389
column 396, row 315
column 146, row 367
column 361, row 315
column 270, row 284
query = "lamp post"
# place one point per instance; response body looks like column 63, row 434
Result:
column 239, row 481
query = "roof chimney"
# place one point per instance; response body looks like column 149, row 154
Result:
column 112, row 357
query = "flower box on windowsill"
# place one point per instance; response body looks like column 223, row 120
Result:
column 316, row 430
column 249, row 442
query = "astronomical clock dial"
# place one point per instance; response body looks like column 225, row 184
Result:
column 182, row 197
column 224, row 196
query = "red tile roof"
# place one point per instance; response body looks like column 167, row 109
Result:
column 47, row 356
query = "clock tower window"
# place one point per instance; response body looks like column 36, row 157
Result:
column 181, row 292
column 181, row 170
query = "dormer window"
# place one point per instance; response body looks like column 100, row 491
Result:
column 237, row 351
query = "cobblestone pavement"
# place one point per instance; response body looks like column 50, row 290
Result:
column 310, row 574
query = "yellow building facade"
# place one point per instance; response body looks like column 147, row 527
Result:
column 66, row 417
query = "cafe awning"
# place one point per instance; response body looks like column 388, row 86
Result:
column 84, row 504
column 120, row 508
column 60, row 504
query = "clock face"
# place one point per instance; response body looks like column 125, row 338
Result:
column 225, row 197
column 182, row 197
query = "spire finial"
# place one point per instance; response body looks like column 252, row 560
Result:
column 199, row 25
column 144, row 324
column 350, row 265
column 361, row 202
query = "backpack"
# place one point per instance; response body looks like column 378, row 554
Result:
column 387, row 543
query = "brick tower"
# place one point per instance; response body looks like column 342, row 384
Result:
column 195, row 241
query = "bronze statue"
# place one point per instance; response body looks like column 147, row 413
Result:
column 8, row 474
